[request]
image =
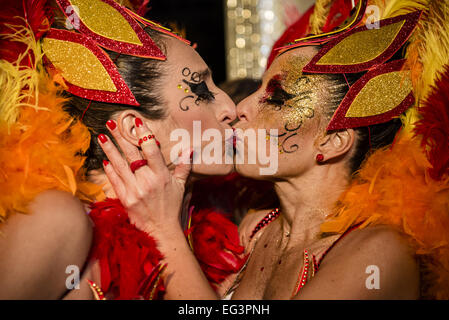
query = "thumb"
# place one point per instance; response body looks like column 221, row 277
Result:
column 182, row 170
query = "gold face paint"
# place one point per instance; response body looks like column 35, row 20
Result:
column 297, row 96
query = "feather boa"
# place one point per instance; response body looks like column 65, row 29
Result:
column 393, row 188
column 434, row 127
column 128, row 257
column 406, row 186
column 43, row 150
column 41, row 146
column 130, row 261
column 216, row 244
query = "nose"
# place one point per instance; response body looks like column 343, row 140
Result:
column 245, row 111
column 227, row 110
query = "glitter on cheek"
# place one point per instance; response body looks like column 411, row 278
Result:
column 307, row 90
column 267, row 117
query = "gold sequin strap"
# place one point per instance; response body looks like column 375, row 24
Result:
column 96, row 290
column 304, row 275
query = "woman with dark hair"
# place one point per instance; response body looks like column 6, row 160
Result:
column 162, row 84
column 357, row 219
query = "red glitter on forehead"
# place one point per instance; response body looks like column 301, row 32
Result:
column 273, row 84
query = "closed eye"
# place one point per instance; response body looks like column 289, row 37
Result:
column 201, row 90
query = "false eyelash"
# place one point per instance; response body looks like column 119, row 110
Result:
column 275, row 94
column 201, row 90
column 278, row 97
column 209, row 96
column 276, row 102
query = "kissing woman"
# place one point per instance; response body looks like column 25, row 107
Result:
column 51, row 137
column 363, row 213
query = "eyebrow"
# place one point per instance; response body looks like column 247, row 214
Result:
column 206, row 73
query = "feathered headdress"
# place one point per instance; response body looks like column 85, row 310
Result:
column 41, row 146
column 358, row 45
column 87, row 70
column 406, row 185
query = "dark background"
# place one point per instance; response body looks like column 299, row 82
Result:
column 203, row 21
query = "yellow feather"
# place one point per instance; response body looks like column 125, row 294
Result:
column 398, row 7
column 433, row 46
column 319, row 15
column 19, row 84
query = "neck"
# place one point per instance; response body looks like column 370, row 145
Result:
column 308, row 199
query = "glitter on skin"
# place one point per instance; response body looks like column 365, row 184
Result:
column 302, row 93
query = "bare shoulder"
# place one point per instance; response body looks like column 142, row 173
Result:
column 55, row 200
column 371, row 263
column 383, row 242
column 55, row 234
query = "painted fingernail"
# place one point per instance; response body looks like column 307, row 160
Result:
column 191, row 155
column 102, row 138
column 105, row 162
column 111, row 124
column 138, row 122
column 140, row 141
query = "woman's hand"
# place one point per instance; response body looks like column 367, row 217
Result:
column 152, row 195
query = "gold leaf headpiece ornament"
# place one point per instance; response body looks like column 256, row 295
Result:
column 385, row 91
column 87, row 70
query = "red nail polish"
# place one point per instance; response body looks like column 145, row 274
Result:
column 158, row 143
column 102, row 138
column 105, row 162
column 111, row 124
column 138, row 122
column 140, row 141
column 191, row 155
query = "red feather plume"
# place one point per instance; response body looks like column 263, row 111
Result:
column 216, row 245
column 297, row 30
column 338, row 13
column 434, row 127
column 34, row 14
column 129, row 259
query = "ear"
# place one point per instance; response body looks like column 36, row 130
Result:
column 127, row 127
column 336, row 144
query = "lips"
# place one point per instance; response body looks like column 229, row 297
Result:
column 235, row 139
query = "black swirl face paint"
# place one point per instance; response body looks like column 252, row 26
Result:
column 195, row 84
column 295, row 96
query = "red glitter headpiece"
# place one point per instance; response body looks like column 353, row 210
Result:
column 385, row 91
column 86, row 69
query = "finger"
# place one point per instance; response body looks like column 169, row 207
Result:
column 115, row 180
column 120, row 165
column 130, row 151
column 182, row 170
column 150, row 148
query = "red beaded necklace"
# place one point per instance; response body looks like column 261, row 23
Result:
column 265, row 221
column 303, row 276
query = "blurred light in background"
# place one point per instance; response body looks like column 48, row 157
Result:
column 252, row 27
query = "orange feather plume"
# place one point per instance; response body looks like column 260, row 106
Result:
column 43, row 150
column 393, row 188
